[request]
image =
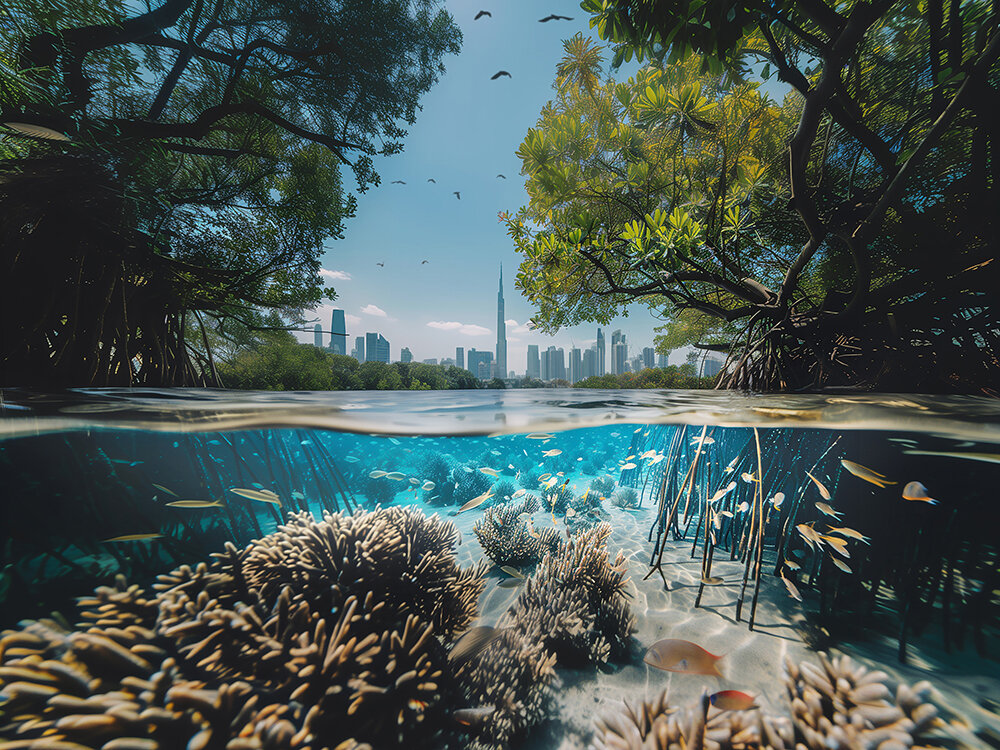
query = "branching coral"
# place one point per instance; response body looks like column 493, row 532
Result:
column 575, row 602
column 470, row 484
column 602, row 486
column 838, row 706
column 506, row 537
column 625, row 497
column 320, row 635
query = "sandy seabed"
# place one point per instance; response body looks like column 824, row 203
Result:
column 752, row 660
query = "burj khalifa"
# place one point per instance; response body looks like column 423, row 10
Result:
column 501, row 353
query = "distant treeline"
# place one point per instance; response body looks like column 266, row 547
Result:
column 671, row 376
column 289, row 366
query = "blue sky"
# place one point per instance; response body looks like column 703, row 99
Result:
column 466, row 134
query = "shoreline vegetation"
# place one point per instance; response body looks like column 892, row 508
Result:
column 281, row 364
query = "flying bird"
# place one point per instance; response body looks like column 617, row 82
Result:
column 457, row 194
column 431, row 179
column 482, row 13
column 380, row 264
column 398, row 182
column 422, row 262
column 501, row 177
column 554, row 17
column 500, row 73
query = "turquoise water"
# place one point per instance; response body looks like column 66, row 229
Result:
column 497, row 570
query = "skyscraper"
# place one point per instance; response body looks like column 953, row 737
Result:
column 575, row 365
column 377, row 348
column 648, row 356
column 318, row 335
column 661, row 359
column 338, row 339
column 480, row 364
column 405, row 355
column 600, row 353
column 553, row 364
column 533, row 370
column 619, row 353
column 590, row 362
column 501, row 358
column 460, row 357
column 359, row 349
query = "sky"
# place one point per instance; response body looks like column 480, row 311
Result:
column 466, row 134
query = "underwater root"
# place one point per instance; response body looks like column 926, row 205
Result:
column 840, row 705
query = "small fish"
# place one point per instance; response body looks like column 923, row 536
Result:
column 510, row 466
column 824, row 508
column 656, row 459
column 553, row 481
column 195, row 504
column 393, row 441
column 161, row 488
column 711, row 580
column 298, row 495
column 731, row 467
column 841, row 564
column 732, row 700
column 629, row 458
column 616, row 434
column 823, row 491
column 561, row 474
column 263, row 496
column 675, row 655
column 539, row 436
column 792, row 591
column 544, row 477
column 836, row 543
column 396, row 476
column 477, row 501
column 512, row 571
column 519, row 493
column 748, row 477
column 648, row 454
column 863, row 472
column 301, row 442
column 377, row 474
column 414, row 481
column 743, row 507
column 125, row 461
column 491, row 472
column 917, row 492
column 472, row 717
column 628, row 466
column 808, row 533
column 719, row 494
column 552, row 452
column 495, row 453
column 428, row 486
column 703, row 441
column 852, row 533
column 472, row 642
column 792, row 565
column 777, row 500
column 131, row 538
column 351, row 459
column 729, row 513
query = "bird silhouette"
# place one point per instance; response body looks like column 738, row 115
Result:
column 431, row 179
column 398, row 182
column 501, row 177
column 457, row 194
column 422, row 262
column 482, row 13
column 500, row 73
column 380, row 264
column 554, row 17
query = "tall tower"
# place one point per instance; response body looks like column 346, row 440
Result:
column 600, row 353
column 338, row 336
column 318, row 335
column 501, row 353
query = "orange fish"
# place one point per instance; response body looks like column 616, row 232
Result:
column 732, row 700
column 675, row 655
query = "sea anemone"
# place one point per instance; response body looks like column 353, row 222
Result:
column 503, row 491
column 506, row 538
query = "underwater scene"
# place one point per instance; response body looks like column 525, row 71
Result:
column 609, row 569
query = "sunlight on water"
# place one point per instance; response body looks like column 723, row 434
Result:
column 538, row 558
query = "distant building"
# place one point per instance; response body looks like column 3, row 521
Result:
column 432, row 361
column 460, row 357
column 376, row 348
column 636, row 363
column 534, row 369
column 589, row 362
column 405, row 355
column 619, row 353
column 318, row 335
column 501, row 351
column 359, row 349
column 448, row 362
column 712, row 365
column 662, row 359
column 599, row 347
column 575, row 365
column 553, row 364
column 480, row 364
column 648, row 357
column 338, row 337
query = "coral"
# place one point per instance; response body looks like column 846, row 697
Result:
column 625, row 497
column 470, row 484
column 838, row 706
column 575, row 602
column 380, row 491
column 557, row 499
column 510, row 679
column 268, row 647
column 506, row 539
column 436, row 468
column 655, row 725
column 503, row 491
column 844, row 705
column 603, row 486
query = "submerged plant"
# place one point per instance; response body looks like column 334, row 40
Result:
column 602, row 486
column 625, row 497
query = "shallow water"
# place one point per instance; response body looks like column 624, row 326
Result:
column 646, row 525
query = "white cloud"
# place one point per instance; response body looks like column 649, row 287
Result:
column 374, row 310
column 517, row 329
column 336, row 275
column 467, row 329
column 352, row 320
